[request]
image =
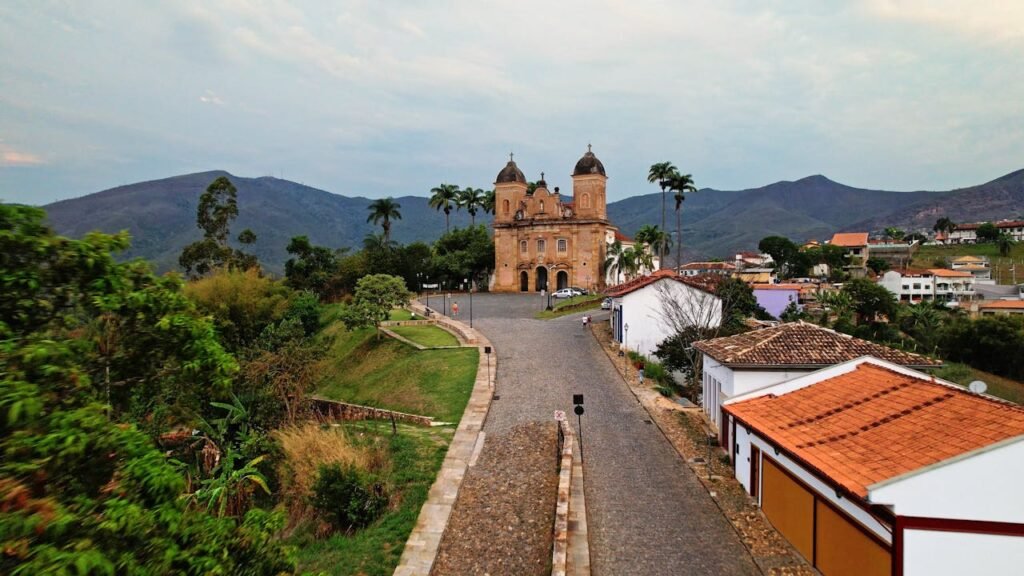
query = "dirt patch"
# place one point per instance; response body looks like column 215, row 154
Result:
column 688, row 430
column 502, row 522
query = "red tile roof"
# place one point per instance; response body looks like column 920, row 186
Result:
column 801, row 344
column 850, row 239
column 1003, row 224
column 702, row 282
column 947, row 273
column 1002, row 305
column 777, row 286
column 872, row 424
column 622, row 237
column 707, row 266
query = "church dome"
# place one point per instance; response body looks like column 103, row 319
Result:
column 510, row 173
column 589, row 164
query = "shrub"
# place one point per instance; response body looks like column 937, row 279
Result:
column 347, row 497
column 655, row 371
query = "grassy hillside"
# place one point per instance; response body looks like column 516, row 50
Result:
column 932, row 256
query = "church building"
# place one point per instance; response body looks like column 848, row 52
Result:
column 545, row 242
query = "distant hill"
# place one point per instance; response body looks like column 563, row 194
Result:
column 160, row 214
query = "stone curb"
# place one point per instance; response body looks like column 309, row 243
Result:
column 425, row 539
column 405, row 340
column 560, row 543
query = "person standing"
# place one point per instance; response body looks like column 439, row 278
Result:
column 455, row 308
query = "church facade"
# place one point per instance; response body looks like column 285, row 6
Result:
column 543, row 241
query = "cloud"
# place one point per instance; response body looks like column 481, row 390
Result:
column 989, row 20
column 11, row 157
column 209, row 97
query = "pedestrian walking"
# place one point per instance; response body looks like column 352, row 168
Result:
column 455, row 308
column 640, row 374
column 586, row 320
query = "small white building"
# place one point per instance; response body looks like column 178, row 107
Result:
column 953, row 285
column 979, row 266
column 871, row 469
column 968, row 233
column 642, row 318
column 743, row 363
column 909, row 285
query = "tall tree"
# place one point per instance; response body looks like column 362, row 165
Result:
column 680, row 184
column 988, row 232
column 489, row 201
column 376, row 295
column 442, row 198
column 472, row 199
column 662, row 173
column 218, row 207
column 1005, row 243
column 651, row 235
column 383, row 210
column 621, row 261
column 893, row 233
column 944, row 225
column 311, row 267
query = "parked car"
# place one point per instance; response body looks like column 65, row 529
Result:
column 582, row 291
column 606, row 304
column 566, row 293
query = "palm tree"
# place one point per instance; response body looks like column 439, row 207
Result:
column 383, row 210
column 442, row 198
column 378, row 243
column 680, row 184
column 489, row 202
column 472, row 199
column 661, row 173
column 1005, row 243
column 652, row 236
column 620, row 261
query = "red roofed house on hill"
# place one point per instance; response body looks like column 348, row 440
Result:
column 869, row 468
column 856, row 246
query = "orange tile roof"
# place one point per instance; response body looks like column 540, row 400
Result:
column 872, row 424
column 974, row 267
column 707, row 266
column 970, row 258
column 850, row 239
column 622, row 237
column 1003, row 305
column 947, row 273
column 702, row 282
column 801, row 344
column 777, row 286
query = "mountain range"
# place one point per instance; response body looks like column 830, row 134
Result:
column 161, row 214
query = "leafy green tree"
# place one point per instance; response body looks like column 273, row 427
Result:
column 311, row 267
column 680, row 184
column 922, row 322
column 443, row 197
column 944, row 225
column 83, row 490
column 621, row 260
column 461, row 254
column 384, row 210
column 651, row 235
column 877, row 265
column 782, row 250
column 738, row 304
column 242, row 304
column 894, row 234
column 662, row 173
column 472, row 199
column 1005, row 243
column 916, row 237
column 376, row 295
column 869, row 299
column 218, row 207
column 988, row 232
column 990, row 343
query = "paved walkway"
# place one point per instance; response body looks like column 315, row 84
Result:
column 647, row 513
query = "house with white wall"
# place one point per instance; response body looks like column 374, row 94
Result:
column 909, row 284
column 869, row 468
column 979, row 266
column 736, row 365
column 953, row 285
column 647, row 310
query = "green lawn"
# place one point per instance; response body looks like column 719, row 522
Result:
column 931, row 256
column 571, row 306
column 416, row 455
column 998, row 386
column 429, row 336
column 400, row 314
column 386, row 373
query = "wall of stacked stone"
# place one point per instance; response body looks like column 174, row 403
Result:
column 334, row 410
column 560, row 546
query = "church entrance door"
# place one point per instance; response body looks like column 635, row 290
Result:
column 524, row 281
column 542, row 278
column 562, row 279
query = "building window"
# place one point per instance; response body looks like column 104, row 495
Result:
column 522, row 246
column 504, row 206
column 563, row 245
column 542, row 206
column 540, row 246
column 917, row 286
column 586, row 200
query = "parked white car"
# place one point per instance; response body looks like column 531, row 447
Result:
column 566, row 293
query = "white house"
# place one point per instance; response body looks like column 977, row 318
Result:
column 979, row 266
column 909, row 285
column 953, row 285
column 613, row 276
column 649, row 309
column 869, row 468
column 968, row 233
column 743, row 363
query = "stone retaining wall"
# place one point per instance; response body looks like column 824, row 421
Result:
column 343, row 411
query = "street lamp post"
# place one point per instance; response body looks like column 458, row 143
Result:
column 625, row 355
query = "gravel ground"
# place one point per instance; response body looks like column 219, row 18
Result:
column 502, row 521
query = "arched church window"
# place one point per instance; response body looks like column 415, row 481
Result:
column 540, row 245
column 586, row 200
column 542, row 206
column 504, row 206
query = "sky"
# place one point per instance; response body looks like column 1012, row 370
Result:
column 392, row 98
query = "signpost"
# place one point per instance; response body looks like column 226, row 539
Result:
column 577, row 400
column 487, row 351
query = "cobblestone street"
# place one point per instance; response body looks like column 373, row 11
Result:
column 647, row 513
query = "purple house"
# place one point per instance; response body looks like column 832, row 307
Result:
column 774, row 298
